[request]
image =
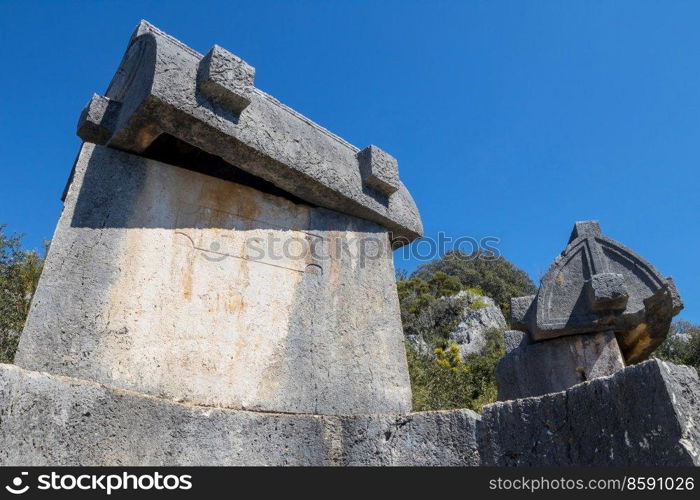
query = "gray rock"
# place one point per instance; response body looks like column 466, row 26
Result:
column 225, row 79
column 607, row 291
column 59, row 421
column 643, row 415
column 418, row 344
column 595, row 285
column 164, row 88
column 430, row 438
column 533, row 369
column 479, row 315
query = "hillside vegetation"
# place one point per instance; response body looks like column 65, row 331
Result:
column 440, row 378
column 495, row 276
column 682, row 346
column 19, row 274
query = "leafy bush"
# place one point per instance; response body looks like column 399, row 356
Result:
column 19, row 275
column 429, row 308
column 445, row 381
column 682, row 346
column 475, row 290
column 477, row 304
column 495, row 277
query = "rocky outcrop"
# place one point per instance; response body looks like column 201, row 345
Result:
column 479, row 315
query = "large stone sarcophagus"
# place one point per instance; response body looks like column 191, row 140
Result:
column 218, row 248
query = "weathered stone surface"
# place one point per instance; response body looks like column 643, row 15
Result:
column 53, row 420
column 533, row 369
column 97, row 119
column 178, row 284
column 225, row 79
column 429, row 438
column 608, row 291
column 643, row 415
column 521, row 309
column 515, row 339
column 379, row 170
column 479, row 315
column 597, row 284
column 163, row 87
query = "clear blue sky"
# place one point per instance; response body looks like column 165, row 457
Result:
column 509, row 119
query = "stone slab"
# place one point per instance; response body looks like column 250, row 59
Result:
column 646, row 414
column 181, row 285
column 514, row 339
column 163, row 87
column 59, row 421
column 533, row 369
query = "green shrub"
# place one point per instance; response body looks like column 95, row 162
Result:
column 495, row 277
column 444, row 381
column 19, row 275
column 475, row 290
column 430, row 309
column 682, row 345
column 477, row 304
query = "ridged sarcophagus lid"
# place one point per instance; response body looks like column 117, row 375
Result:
column 163, row 87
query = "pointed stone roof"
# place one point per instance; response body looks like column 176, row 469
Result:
column 598, row 284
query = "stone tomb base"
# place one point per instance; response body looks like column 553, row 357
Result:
column 54, row 420
column 533, row 369
column 642, row 415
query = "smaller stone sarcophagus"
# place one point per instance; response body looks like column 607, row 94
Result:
column 599, row 307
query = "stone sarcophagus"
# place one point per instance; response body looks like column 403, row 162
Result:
column 599, row 307
column 218, row 248
column 598, row 285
